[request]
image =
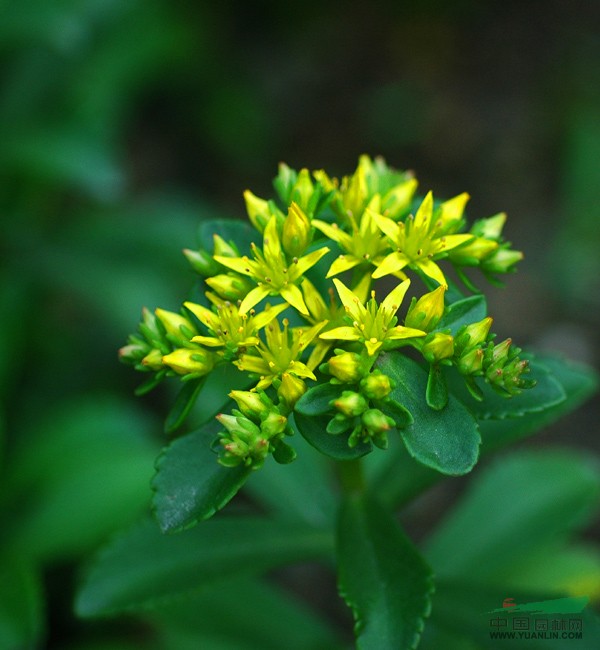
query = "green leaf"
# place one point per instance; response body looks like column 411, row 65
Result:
column 546, row 393
column 184, row 402
column 316, row 400
column 463, row 312
column 241, row 233
column 21, row 605
column 526, row 501
column 382, row 577
column 578, row 383
column 81, row 472
column 313, row 430
column 189, row 484
column 269, row 619
column 446, row 440
column 143, row 567
column 437, row 390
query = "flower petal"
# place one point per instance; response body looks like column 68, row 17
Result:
column 401, row 332
column 204, row 315
column 301, row 370
column 253, row 298
column 304, row 263
column 333, row 232
column 391, row 264
column 210, row 341
column 341, row 264
column 424, row 213
column 293, row 295
column 395, row 297
column 265, row 317
column 242, row 265
column 386, row 225
column 431, row 269
column 350, row 301
column 343, row 333
column 271, row 244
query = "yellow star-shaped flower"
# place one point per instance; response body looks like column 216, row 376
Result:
column 272, row 272
column 419, row 241
column 373, row 325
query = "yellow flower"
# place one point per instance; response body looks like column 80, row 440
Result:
column 420, row 240
column 272, row 272
column 362, row 246
column 279, row 354
column 373, row 325
column 227, row 327
column 185, row 361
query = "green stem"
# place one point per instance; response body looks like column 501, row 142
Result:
column 351, row 476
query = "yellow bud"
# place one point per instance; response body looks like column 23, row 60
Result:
column 303, row 189
column 258, row 210
column 153, row 360
column 502, row 261
column 230, row 286
column 296, row 231
column 473, row 252
column 251, row 404
column 438, row 346
column 426, row 312
column 174, row 323
column 474, row 334
column 490, row 228
column 376, row 385
column 347, row 367
column 223, row 248
column 291, row 389
column 185, row 361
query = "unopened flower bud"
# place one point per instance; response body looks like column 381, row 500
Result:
column 376, row 385
column 133, row 353
column 223, row 248
column 230, row 286
column 153, row 360
column 351, row 403
column 202, row 262
column 176, row 325
column 185, row 361
column 258, row 210
column 273, row 424
column 490, row 228
column 302, row 190
column 502, row 261
column 291, row 389
column 398, row 199
column 347, row 367
column 470, row 336
column 438, row 346
column 296, row 231
column 426, row 312
column 471, row 363
column 252, row 404
column 472, row 253
column 376, row 422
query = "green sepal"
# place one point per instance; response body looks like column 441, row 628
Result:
column 382, row 577
column 283, row 453
column 189, row 484
column 335, row 426
column 437, row 390
column 184, row 402
column 314, row 431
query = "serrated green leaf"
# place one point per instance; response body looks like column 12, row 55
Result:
column 446, row 440
column 21, row 605
column 463, row 312
column 547, row 393
column 316, row 400
column 189, row 484
column 382, row 577
column 236, row 230
column 184, row 402
column 143, row 567
column 270, row 619
column 527, row 500
column 314, row 431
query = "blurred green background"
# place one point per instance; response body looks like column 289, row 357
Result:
column 124, row 123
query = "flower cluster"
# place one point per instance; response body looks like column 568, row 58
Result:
column 296, row 306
